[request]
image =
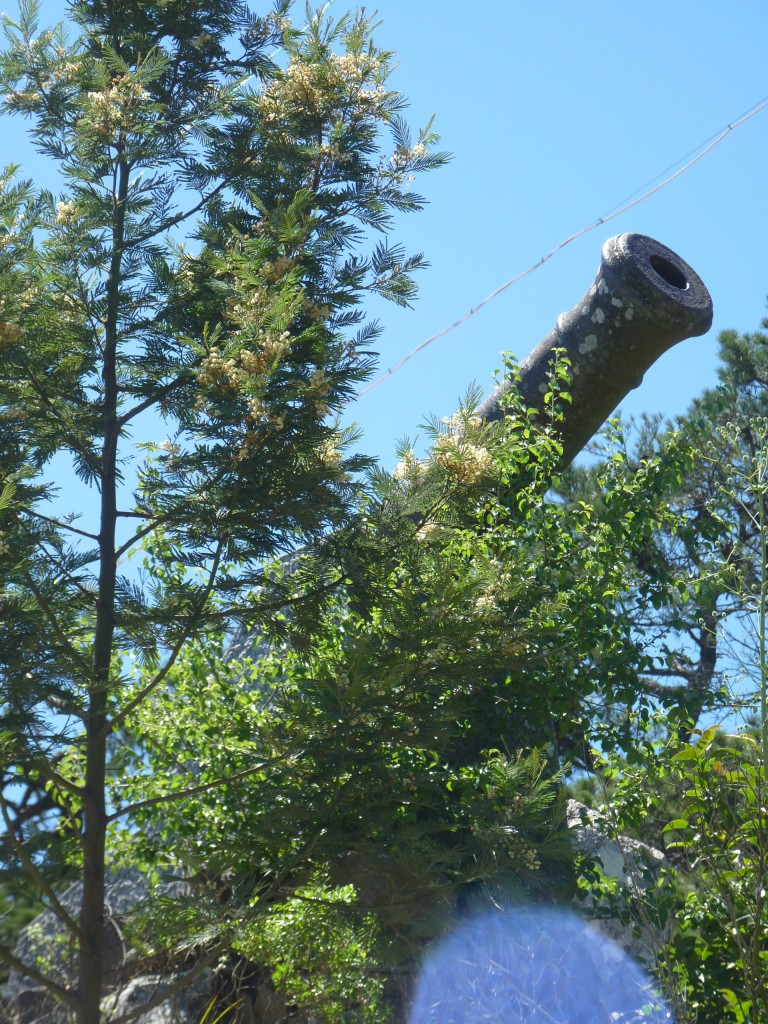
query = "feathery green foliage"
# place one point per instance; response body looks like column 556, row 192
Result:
column 201, row 268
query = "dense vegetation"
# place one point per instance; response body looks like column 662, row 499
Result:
column 432, row 650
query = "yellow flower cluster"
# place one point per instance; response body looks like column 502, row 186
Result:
column 259, row 413
column 359, row 69
column 272, row 348
column 315, row 311
column 486, row 606
column 248, row 310
column 25, row 298
column 466, row 462
column 410, row 470
column 26, row 97
column 429, row 531
column 356, row 66
column 220, row 373
column 530, row 861
column 315, row 86
column 273, row 271
column 67, row 70
column 320, row 383
column 229, row 374
column 460, row 422
column 403, row 156
column 300, row 86
column 65, row 212
column 486, row 603
column 279, row 23
column 113, row 109
column 332, row 459
column 9, row 335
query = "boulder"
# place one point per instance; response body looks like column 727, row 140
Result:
column 46, row 945
column 627, row 916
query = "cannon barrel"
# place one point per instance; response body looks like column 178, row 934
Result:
column 644, row 299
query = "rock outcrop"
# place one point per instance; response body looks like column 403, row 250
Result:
column 46, row 945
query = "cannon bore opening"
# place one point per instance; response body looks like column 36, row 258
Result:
column 672, row 275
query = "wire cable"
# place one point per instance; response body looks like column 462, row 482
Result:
column 626, row 204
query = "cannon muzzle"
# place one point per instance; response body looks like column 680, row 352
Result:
column 644, row 299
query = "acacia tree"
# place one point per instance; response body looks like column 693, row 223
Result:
column 199, row 261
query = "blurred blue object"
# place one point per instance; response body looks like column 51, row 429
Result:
column 534, row 965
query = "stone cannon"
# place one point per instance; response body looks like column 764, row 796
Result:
column 644, row 299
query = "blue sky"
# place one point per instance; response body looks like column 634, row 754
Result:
column 556, row 111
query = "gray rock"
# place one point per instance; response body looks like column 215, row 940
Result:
column 187, row 1005
column 45, row 944
column 629, row 919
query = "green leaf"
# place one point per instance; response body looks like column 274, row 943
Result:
column 7, row 495
column 678, row 823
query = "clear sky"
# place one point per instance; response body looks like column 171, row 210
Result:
column 556, row 111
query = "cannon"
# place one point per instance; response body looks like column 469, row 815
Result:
column 644, row 300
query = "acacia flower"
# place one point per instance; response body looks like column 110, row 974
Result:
column 465, row 462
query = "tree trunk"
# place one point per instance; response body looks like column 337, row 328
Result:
column 91, row 959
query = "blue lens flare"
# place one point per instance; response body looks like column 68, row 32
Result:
column 534, row 965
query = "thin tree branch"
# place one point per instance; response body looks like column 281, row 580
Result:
column 673, row 673
column 64, row 994
column 655, row 689
column 149, row 402
column 121, row 715
column 139, row 533
column 62, row 526
column 34, row 873
column 173, row 221
column 185, row 794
